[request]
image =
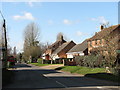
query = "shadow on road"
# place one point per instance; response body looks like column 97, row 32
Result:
column 34, row 79
column 105, row 76
column 22, row 65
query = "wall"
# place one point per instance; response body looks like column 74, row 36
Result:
column 63, row 54
column 95, row 44
column 70, row 55
column 55, row 56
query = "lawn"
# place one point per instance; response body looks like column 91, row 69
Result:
column 99, row 73
column 82, row 70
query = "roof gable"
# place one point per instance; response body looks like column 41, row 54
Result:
column 79, row 47
column 103, row 33
column 63, row 46
column 57, row 43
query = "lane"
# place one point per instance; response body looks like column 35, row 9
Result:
column 34, row 77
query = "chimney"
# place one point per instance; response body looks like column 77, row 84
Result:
column 101, row 27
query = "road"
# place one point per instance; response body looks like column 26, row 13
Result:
column 36, row 78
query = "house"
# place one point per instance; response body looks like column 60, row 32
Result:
column 61, row 51
column 48, row 53
column 99, row 40
column 78, row 50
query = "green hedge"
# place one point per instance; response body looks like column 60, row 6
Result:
column 90, row 61
column 39, row 60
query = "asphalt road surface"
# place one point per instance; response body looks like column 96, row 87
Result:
column 29, row 77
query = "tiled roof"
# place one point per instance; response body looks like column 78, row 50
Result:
column 79, row 47
column 104, row 32
column 60, row 48
column 57, row 42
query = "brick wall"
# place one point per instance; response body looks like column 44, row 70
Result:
column 63, row 54
column 95, row 44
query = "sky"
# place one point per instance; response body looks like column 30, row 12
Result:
column 76, row 20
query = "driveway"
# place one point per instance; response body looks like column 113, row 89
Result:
column 36, row 78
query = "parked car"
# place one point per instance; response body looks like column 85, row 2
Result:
column 11, row 60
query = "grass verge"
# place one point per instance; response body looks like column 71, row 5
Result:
column 98, row 73
column 81, row 70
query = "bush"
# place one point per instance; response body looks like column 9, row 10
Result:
column 59, row 61
column 39, row 60
column 90, row 61
column 79, row 60
column 46, row 61
column 115, row 71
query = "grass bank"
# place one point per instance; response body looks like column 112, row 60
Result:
column 99, row 73
column 81, row 70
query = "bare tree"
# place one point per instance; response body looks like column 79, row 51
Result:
column 31, row 41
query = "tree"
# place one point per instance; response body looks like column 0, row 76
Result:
column 31, row 42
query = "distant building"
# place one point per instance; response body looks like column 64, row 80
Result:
column 48, row 53
column 61, row 51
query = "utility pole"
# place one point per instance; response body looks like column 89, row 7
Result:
column 5, row 37
column 6, row 54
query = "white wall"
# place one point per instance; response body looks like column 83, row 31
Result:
column 69, row 56
column 43, row 56
column 55, row 56
column 81, row 54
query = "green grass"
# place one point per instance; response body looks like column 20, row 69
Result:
column 38, row 64
column 98, row 73
column 82, row 70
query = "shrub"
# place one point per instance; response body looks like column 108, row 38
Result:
column 39, row 60
column 79, row 60
column 90, row 61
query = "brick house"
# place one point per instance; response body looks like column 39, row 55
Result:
column 61, row 51
column 53, row 47
column 78, row 50
column 99, row 41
